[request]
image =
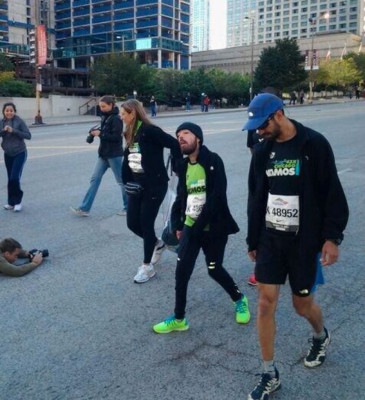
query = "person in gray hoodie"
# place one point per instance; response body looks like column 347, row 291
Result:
column 13, row 131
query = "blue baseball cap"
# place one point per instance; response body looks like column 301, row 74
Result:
column 260, row 108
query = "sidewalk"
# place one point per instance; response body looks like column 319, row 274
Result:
column 93, row 119
column 81, row 119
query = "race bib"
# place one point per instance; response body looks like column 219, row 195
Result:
column 135, row 159
column 195, row 204
column 282, row 213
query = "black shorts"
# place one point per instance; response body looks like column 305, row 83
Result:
column 279, row 256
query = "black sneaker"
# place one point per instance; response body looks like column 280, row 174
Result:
column 266, row 386
column 317, row 352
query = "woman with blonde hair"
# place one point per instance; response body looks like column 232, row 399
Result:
column 145, row 177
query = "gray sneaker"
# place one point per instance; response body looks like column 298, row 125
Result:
column 80, row 212
column 144, row 273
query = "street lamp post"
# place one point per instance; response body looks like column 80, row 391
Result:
column 252, row 44
column 313, row 22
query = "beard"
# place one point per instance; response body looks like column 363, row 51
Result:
column 273, row 134
column 188, row 149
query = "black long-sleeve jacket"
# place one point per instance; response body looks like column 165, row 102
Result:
column 111, row 139
column 215, row 211
column 323, row 209
column 152, row 140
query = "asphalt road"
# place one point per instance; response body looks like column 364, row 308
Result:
column 78, row 328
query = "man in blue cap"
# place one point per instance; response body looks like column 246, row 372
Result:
column 297, row 212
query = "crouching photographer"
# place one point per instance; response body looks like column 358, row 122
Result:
column 11, row 250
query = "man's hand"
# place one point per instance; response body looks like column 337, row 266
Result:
column 37, row 258
column 329, row 253
column 8, row 128
column 252, row 255
column 178, row 234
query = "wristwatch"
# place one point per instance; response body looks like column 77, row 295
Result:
column 337, row 242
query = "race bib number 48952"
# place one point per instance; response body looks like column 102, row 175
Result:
column 282, row 213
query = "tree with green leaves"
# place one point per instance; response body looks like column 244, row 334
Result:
column 116, row 73
column 5, row 64
column 281, row 66
column 339, row 73
column 359, row 60
column 9, row 86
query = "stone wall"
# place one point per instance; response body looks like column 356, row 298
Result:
column 53, row 106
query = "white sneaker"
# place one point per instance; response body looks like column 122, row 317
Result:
column 144, row 273
column 18, row 207
column 8, row 207
column 122, row 213
column 159, row 249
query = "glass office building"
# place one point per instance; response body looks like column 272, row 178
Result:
column 200, row 25
column 155, row 31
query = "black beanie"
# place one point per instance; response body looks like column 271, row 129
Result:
column 193, row 128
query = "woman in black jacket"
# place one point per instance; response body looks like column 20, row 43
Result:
column 110, row 153
column 144, row 165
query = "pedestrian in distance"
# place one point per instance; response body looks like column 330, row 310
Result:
column 301, row 96
column 13, row 132
column 206, row 101
column 10, row 251
column 153, row 106
column 202, row 107
column 187, row 102
column 110, row 154
column 293, row 98
column 201, row 219
column 297, row 212
column 145, row 177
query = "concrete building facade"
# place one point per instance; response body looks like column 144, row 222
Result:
column 238, row 59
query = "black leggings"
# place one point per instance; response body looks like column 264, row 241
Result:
column 188, row 252
column 141, row 215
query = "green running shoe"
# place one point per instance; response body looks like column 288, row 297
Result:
column 242, row 312
column 171, row 324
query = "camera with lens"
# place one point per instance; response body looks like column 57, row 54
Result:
column 33, row 252
column 90, row 137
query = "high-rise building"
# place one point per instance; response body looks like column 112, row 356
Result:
column 155, row 31
column 270, row 20
column 200, row 25
column 18, row 19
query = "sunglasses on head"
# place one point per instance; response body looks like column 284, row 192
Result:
column 266, row 123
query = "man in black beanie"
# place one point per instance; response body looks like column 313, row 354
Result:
column 201, row 219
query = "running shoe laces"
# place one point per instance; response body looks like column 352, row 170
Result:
column 317, row 352
column 267, row 385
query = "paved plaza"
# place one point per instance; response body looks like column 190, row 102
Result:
column 78, row 328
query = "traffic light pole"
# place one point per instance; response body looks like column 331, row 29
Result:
column 38, row 85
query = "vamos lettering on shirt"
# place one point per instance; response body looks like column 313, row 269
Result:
column 196, row 189
column 284, row 168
